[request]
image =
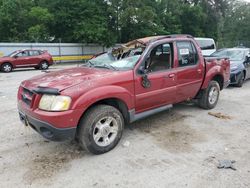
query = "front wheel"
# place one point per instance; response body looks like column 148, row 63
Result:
column 100, row 129
column 210, row 96
column 241, row 80
column 6, row 67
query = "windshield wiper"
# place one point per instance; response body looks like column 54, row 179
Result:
column 107, row 66
column 88, row 64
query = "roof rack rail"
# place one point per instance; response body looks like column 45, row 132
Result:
column 178, row 36
column 173, row 36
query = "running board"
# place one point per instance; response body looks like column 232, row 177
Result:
column 134, row 117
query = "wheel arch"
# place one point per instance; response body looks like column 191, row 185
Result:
column 219, row 78
column 115, row 102
column 44, row 60
column 8, row 63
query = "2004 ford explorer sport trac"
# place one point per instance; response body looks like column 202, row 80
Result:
column 145, row 76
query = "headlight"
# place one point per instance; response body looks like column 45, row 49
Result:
column 234, row 67
column 54, row 103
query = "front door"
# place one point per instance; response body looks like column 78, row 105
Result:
column 190, row 71
column 22, row 59
column 158, row 87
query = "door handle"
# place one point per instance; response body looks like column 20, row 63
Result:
column 199, row 71
column 171, row 75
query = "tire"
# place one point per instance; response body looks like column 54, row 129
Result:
column 241, row 80
column 44, row 65
column 6, row 67
column 100, row 129
column 210, row 96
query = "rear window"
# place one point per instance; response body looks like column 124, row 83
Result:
column 206, row 44
column 187, row 54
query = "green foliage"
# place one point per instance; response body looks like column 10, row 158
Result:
column 236, row 28
column 39, row 19
column 193, row 20
column 114, row 21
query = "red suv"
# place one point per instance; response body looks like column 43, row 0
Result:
column 26, row 58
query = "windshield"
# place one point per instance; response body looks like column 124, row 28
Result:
column 126, row 63
column 108, row 60
column 233, row 55
column 104, row 58
column 12, row 54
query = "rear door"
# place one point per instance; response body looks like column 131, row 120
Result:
column 34, row 57
column 161, row 80
column 190, row 71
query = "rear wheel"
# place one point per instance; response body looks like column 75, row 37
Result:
column 101, row 129
column 241, row 80
column 6, row 67
column 210, row 96
column 44, row 65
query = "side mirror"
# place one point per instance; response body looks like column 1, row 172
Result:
column 143, row 70
column 15, row 56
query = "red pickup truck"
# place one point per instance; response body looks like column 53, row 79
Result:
column 145, row 76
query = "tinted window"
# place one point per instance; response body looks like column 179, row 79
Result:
column 23, row 54
column 34, row 53
column 206, row 44
column 160, row 58
column 187, row 54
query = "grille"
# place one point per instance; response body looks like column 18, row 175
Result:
column 27, row 96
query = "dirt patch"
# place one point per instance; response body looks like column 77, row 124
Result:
column 46, row 166
column 220, row 115
column 170, row 131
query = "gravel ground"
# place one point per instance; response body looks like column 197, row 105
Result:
column 176, row 148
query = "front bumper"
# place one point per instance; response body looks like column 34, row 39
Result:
column 47, row 130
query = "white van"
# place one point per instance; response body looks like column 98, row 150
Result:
column 207, row 45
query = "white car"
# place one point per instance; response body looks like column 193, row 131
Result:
column 207, row 45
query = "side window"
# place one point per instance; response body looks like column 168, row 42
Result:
column 161, row 58
column 187, row 54
column 23, row 54
column 34, row 53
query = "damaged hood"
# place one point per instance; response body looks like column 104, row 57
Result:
column 66, row 78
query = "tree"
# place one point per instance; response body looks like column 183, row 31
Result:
column 39, row 19
column 110, row 21
column 236, row 25
column 13, row 20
